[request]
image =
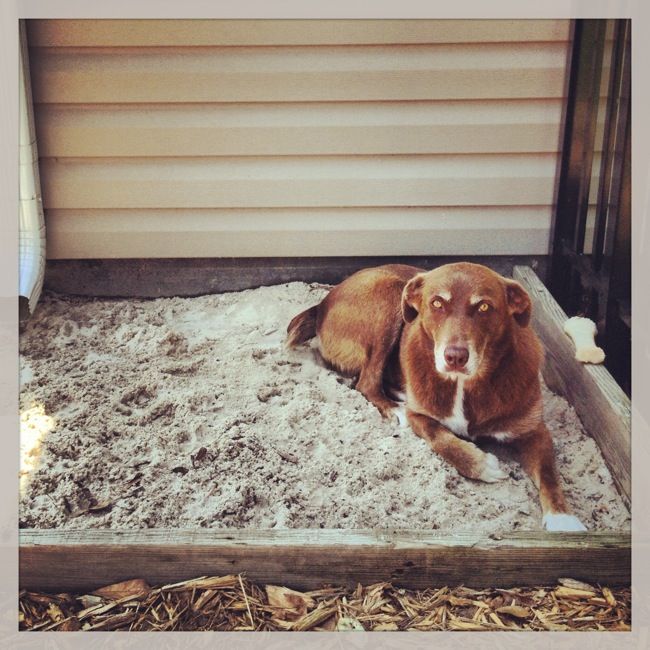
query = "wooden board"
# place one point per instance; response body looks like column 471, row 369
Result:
column 196, row 276
column 83, row 560
column 601, row 404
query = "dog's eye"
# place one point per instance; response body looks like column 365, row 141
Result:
column 483, row 307
column 437, row 303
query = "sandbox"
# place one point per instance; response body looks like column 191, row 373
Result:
column 189, row 414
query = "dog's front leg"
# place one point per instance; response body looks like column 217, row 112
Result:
column 538, row 459
column 465, row 456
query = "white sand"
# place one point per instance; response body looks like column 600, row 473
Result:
column 188, row 412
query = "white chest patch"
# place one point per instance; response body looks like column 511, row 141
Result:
column 457, row 422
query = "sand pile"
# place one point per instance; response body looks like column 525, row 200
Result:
column 188, row 412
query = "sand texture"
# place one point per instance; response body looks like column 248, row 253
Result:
column 189, row 412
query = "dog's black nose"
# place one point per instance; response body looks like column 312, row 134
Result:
column 455, row 356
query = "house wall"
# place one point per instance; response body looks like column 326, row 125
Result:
column 293, row 138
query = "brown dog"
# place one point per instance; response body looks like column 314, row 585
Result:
column 456, row 341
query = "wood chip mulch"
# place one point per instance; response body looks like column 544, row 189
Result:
column 234, row 603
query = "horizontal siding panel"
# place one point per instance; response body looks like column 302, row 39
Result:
column 314, row 232
column 514, row 126
column 298, row 182
column 141, row 33
column 425, row 72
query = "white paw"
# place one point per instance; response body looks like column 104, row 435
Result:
column 492, row 472
column 560, row 521
column 400, row 413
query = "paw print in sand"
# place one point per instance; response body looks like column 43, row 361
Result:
column 174, row 345
column 136, row 398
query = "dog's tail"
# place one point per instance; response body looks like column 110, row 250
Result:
column 302, row 327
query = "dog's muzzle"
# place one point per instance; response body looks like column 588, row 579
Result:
column 456, row 357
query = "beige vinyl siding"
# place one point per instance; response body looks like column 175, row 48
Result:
column 297, row 138
column 202, row 33
column 301, row 73
column 289, row 181
column 455, row 231
column 335, row 128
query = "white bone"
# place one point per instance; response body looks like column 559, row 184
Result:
column 583, row 334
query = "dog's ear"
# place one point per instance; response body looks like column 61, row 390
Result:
column 519, row 304
column 412, row 298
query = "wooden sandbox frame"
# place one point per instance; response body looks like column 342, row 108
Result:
column 82, row 560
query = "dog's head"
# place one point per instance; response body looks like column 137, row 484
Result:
column 467, row 310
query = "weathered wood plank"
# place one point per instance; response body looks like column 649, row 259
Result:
column 601, row 404
column 68, row 560
column 156, row 278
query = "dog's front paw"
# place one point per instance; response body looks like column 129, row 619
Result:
column 491, row 470
column 562, row 522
